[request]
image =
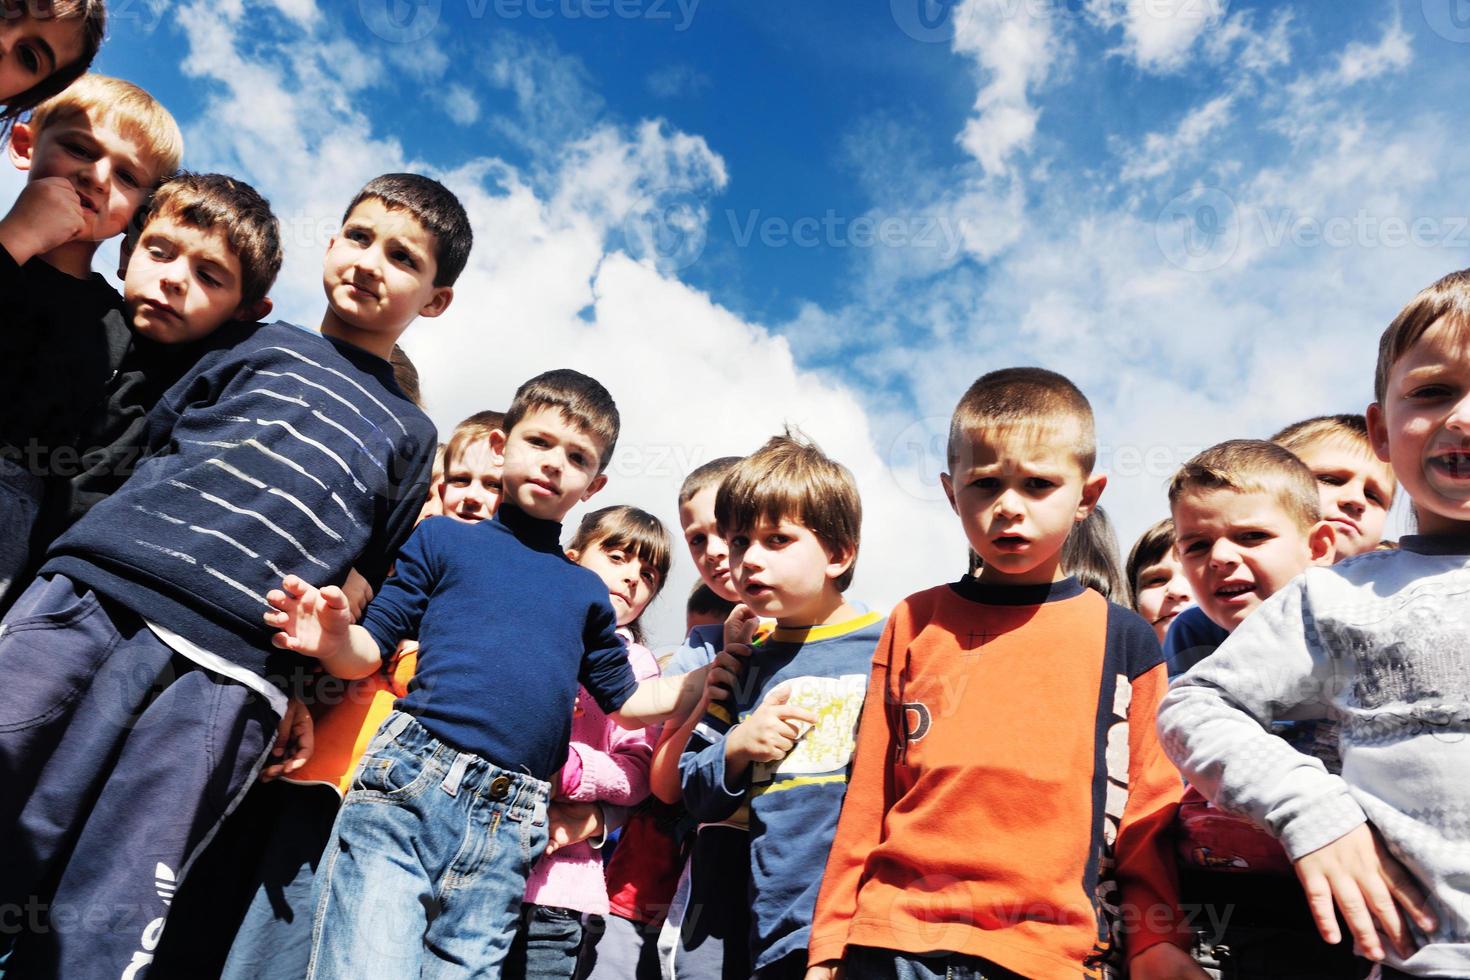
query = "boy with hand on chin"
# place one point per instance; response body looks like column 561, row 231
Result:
column 91, row 156
column 1375, row 644
column 783, row 741
column 1009, row 806
column 487, row 721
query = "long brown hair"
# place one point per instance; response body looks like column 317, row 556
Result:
column 635, row 531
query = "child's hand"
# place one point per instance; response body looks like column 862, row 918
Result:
column 1165, row 961
column 771, row 731
column 295, row 740
column 723, row 674
column 740, row 626
column 47, row 214
column 312, row 621
column 359, row 593
column 1366, row 883
column 825, row 971
column 571, row 823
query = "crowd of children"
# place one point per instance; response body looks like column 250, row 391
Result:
column 293, row 689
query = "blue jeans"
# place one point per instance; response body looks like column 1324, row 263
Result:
column 427, row 864
column 867, row 963
column 546, row 946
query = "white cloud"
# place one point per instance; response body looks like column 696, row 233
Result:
column 1160, row 152
column 1014, row 48
column 303, row 13
column 460, row 103
column 1363, row 62
column 1159, row 35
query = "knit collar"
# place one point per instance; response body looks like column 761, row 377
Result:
column 991, row 594
column 533, row 532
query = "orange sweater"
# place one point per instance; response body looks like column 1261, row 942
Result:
column 1009, row 799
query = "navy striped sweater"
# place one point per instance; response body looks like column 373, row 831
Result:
column 280, row 452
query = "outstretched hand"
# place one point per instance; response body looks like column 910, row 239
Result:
column 312, row 622
column 729, row 664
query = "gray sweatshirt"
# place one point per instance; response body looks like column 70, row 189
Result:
column 1379, row 644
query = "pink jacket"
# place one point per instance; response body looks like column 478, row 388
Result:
column 614, row 769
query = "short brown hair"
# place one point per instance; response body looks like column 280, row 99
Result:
column 1149, row 549
column 1090, row 553
column 93, row 17
column 705, row 476
column 1253, row 466
column 790, row 478
column 406, row 375
column 470, row 431
column 129, row 109
column 207, row 201
column 581, row 400
column 1351, row 430
column 433, row 206
column 1023, row 398
column 630, row 529
column 1449, row 297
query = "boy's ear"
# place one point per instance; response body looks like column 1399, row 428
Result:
column 840, row 562
column 22, row 145
column 256, row 311
column 596, row 485
column 1322, row 544
column 947, row 481
column 439, row 302
column 1092, row 490
column 573, row 554
column 1378, row 431
column 497, row 445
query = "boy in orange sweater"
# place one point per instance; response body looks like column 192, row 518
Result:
column 1009, row 805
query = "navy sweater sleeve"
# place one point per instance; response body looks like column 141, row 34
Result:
column 1133, row 638
column 605, row 671
column 397, row 611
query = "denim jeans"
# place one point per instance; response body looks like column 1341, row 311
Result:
column 547, row 945
column 866, row 963
column 427, row 864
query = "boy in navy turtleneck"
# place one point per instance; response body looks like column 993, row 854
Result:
column 429, row 857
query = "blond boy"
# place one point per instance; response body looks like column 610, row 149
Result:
column 1354, row 487
column 975, row 835
column 91, row 155
column 1375, row 645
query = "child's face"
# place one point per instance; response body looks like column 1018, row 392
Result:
column 1237, row 549
column 1356, row 490
column 549, row 464
column 1163, row 592
column 1018, row 495
column 182, row 282
column 32, row 48
column 782, row 571
column 470, row 490
column 111, row 173
column 379, row 270
column 1423, row 427
column 708, row 549
column 631, row 584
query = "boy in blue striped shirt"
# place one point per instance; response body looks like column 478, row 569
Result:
column 144, row 692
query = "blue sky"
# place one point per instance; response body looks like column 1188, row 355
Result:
column 839, row 214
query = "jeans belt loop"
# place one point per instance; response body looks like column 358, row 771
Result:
column 455, row 774
column 398, row 724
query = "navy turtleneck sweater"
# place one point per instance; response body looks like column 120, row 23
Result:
column 507, row 628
